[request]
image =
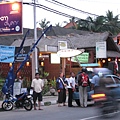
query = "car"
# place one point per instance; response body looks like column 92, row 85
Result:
column 114, row 81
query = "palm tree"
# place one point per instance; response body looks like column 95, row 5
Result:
column 58, row 25
column 101, row 23
column 90, row 24
column 112, row 23
column 44, row 24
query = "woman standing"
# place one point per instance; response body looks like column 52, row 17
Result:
column 60, row 84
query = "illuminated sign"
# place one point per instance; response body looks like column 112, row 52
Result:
column 101, row 50
column 11, row 18
column 83, row 58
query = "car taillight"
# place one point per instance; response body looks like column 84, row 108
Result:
column 99, row 97
column 94, row 96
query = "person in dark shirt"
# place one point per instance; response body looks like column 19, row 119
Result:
column 60, row 84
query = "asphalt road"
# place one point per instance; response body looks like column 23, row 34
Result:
column 53, row 112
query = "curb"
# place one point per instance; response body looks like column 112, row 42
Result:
column 49, row 103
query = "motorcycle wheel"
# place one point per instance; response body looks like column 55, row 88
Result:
column 28, row 105
column 7, row 105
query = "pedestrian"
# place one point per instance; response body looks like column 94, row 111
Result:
column 95, row 82
column 64, row 90
column 83, row 82
column 37, row 86
column 20, row 79
column 61, row 86
column 71, row 88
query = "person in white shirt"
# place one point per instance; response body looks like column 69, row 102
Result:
column 37, row 85
column 71, row 88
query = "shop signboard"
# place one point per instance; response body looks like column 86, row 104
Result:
column 7, row 54
column 10, row 18
column 82, row 58
column 101, row 50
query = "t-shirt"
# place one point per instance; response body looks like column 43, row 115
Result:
column 37, row 84
column 71, row 80
column 95, row 80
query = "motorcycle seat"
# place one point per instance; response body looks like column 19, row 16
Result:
column 17, row 96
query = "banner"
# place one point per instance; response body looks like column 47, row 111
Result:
column 11, row 18
column 7, row 54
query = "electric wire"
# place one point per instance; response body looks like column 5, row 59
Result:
column 66, row 15
column 67, row 6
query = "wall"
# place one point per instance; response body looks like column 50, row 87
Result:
column 53, row 69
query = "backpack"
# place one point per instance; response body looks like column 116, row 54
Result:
column 84, row 80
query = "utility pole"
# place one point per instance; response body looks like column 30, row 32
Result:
column 35, row 53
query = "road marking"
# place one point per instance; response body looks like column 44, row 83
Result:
column 88, row 118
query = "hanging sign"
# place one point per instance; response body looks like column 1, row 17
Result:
column 65, row 53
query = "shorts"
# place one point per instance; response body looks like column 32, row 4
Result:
column 37, row 96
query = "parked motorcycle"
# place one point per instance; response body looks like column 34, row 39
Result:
column 107, row 104
column 19, row 101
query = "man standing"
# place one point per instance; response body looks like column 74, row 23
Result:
column 37, row 85
column 95, row 82
column 83, row 82
column 71, row 88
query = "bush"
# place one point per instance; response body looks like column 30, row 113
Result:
column 45, row 89
column 1, row 85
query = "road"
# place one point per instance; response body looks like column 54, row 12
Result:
column 53, row 112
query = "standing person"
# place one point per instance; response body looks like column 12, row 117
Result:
column 71, row 88
column 37, row 85
column 64, row 90
column 61, row 89
column 95, row 82
column 83, row 82
column 20, row 79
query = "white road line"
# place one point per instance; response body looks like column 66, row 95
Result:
column 88, row 118
column 91, row 117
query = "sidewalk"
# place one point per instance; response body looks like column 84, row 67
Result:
column 49, row 100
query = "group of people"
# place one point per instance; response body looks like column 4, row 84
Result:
column 63, row 84
column 70, row 85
